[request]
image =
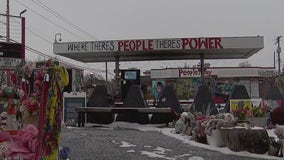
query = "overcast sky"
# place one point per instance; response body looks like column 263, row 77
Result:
column 145, row 19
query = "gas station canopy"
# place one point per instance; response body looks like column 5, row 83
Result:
column 160, row 49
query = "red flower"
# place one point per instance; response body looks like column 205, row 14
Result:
column 32, row 107
column 13, row 77
column 47, row 150
column 38, row 84
column 39, row 76
column 47, row 137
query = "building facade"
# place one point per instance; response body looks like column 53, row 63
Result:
column 187, row 80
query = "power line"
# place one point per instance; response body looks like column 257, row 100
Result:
column 48, row 9
column 48, row 56
column 13, row 25
column 3, row 22
column 34, row 33
column 49, row 20
column 62, row 61
column 39, row 36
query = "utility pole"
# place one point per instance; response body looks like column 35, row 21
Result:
column 8, row 22
column 278, row 50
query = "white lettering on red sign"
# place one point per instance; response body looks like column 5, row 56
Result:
column 193, row 73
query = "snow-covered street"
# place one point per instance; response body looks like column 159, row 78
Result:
column 122, row 140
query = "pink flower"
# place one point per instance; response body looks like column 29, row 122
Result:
column 31, row 129
column 4, row 136
column 23, row 143
column 48, row 137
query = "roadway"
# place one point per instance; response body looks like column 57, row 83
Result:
column 118, row 142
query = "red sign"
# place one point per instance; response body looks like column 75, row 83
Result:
column 201, row 43
column 135, row 45
column 194, row 72
column 142, row 45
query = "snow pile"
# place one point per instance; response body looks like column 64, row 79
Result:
column 185, row 139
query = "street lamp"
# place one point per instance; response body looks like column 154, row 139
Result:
column 55, row 38
column 22, row 12
column 23, row 51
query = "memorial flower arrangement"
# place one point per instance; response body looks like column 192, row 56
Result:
column 22, row 144
column 190, row 124
column 242, row 113
column 218, row 121
column 39, row 138
column 10, row 98
column 260, row 111
column 16, row 90
column 32, row 103
column 279, row 131
column 51, row 110
column 63, row 153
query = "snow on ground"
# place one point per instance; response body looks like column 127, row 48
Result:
column 272, row 134
column 160, row 152
column 147, row 146
column 185, row 139
column 195, row 158
column 126, row 144
column 156, row 155
column 131, row 151
column 123, row 144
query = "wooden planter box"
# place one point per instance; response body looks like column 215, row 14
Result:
column 241, row 139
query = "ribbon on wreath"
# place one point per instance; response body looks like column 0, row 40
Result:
column 51, row 113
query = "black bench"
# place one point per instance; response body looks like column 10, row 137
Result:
column 83, row 110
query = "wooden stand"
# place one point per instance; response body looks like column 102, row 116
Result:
column 242, row 139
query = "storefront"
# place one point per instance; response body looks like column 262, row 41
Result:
column 187, row 80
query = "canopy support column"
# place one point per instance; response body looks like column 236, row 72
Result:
column 117, row 77
column 106, row 72
column 202, row 70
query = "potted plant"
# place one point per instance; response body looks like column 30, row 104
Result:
column 259, row 117
column 214, row 124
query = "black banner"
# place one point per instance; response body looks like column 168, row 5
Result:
column 10, row 50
